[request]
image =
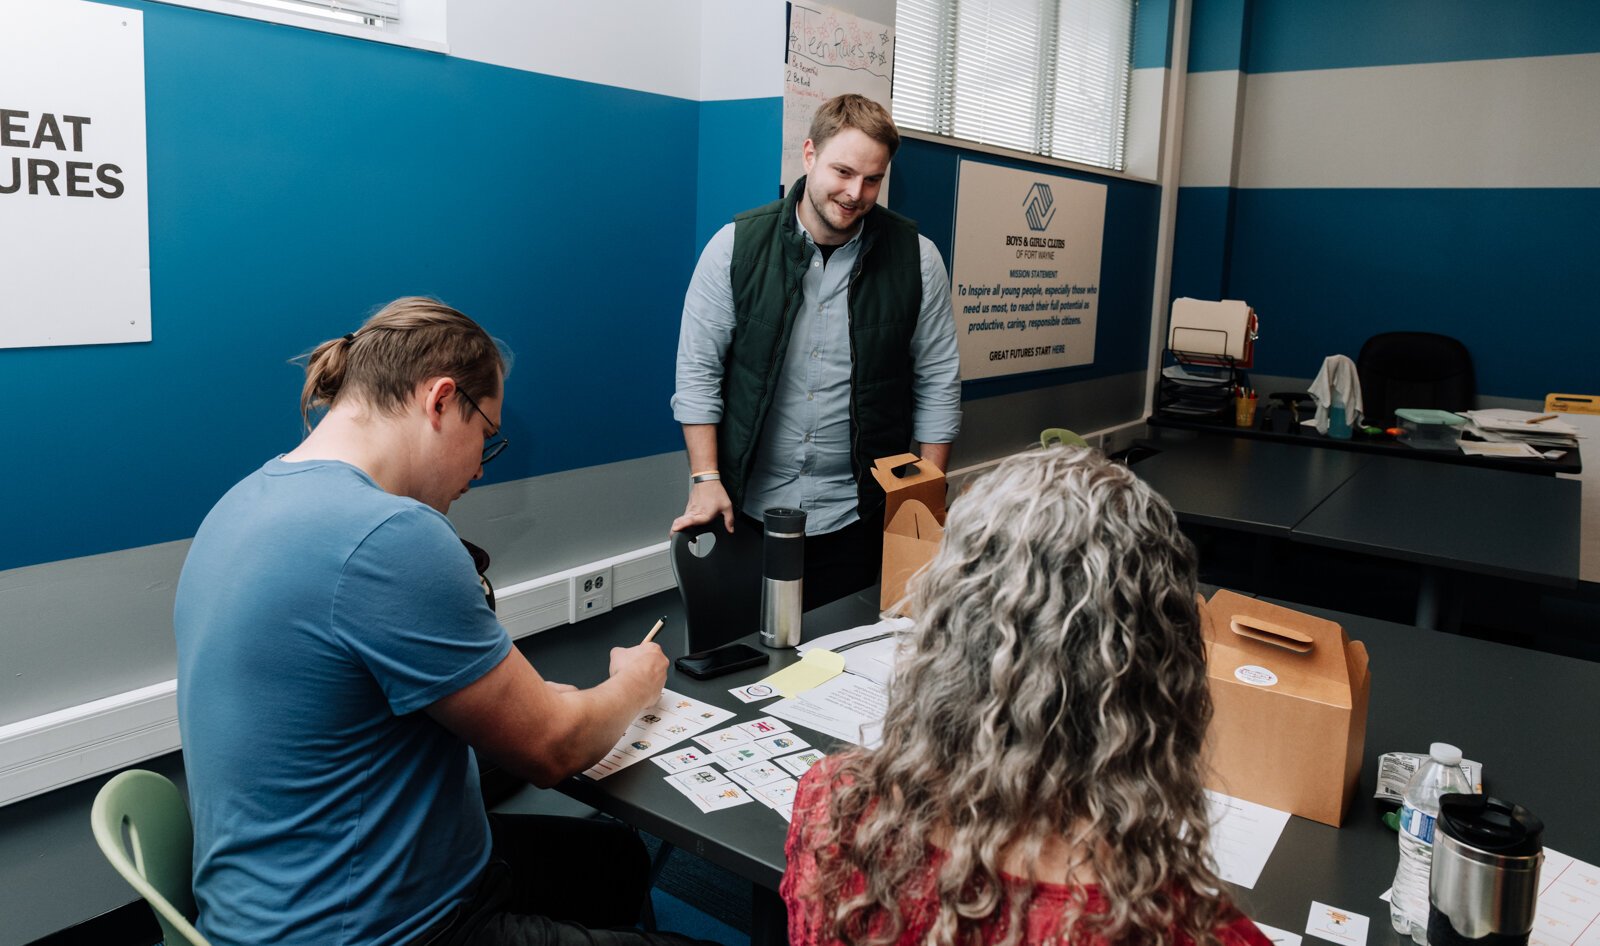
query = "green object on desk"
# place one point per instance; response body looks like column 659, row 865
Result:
column 1392, row 820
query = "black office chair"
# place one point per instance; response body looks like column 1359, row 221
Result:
column 719, row 577
column 1413, row 369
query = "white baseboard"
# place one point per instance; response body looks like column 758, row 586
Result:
column 52, row 751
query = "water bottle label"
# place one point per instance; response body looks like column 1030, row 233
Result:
column 1418, row 824
column 1256, row 676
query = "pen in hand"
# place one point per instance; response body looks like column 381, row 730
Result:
column 652, row 635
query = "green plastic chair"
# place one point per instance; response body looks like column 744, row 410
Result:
column 1052, row 436
column 157, row 856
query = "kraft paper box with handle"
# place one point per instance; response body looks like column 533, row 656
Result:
column 913, row 517
column 910, row 541
column 905, row 477
column 1290, row 695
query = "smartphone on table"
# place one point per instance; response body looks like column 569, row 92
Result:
column 720, row 660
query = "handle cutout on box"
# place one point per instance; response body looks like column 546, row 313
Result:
column 1268, row 632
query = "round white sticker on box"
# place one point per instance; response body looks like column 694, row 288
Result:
column 1256, row 676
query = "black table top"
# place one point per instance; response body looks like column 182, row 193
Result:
column 1488, row 522
column 1572, row 462
column 1248, row 485
column 747, row 839
column 1522, row 713
column 1519, row 712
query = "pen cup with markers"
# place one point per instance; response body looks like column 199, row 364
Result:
column 1244, row 411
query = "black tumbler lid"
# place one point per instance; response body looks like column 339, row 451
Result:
column 784, row 519
column 1491, row 825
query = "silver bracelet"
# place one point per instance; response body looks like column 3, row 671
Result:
column 699, row 478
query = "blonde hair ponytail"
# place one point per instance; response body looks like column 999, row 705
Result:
column 405, row 343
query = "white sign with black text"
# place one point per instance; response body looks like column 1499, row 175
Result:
column 1026, row 269
column 74, row 207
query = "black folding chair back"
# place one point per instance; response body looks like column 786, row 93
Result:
column 719, row 577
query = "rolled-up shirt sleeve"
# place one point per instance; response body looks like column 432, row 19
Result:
column 706, row 332
column 936, row 390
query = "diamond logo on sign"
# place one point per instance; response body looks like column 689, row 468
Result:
column 1039, row 207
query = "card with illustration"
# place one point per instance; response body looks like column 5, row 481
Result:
column 679, row 760
column 783, row 744
column 1336, row 925
column 718, row 797
column 777, row 794
column 740, row 756
column 695, row 780
column 672, row 719
column 723, row 738
column 759, row 774
column 754, row 692
column 765, row 726
column 638, row 741
column 801, row 762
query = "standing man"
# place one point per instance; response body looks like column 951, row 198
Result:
column 337, row 658
column 817, row 337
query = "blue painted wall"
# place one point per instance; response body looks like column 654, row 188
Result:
column 1507, row 271
column 1504, row 269
column 298, row 180
column 1340, row 34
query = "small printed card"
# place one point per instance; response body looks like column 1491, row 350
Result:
column 673, row 718
column 1336, row 925
column 801, row 762
column 754, row 692
column 708, row 789
column 724, row 738
column 1279, row 937
column 782, row 743
column 681, row 760
column 778, row 794
column 740, row 756
column 765, row 726
column 754, row 776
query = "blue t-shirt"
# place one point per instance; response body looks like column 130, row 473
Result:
column 317, row 615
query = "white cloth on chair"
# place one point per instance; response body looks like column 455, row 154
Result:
column 1337, row 383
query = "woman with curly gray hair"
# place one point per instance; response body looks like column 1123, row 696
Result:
column 1039, row 779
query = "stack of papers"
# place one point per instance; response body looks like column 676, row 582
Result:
column 673, row 719
column 848, row 705
column 1508, row 433
column 762, row 760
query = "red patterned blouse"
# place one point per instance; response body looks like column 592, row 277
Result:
column 808, row 918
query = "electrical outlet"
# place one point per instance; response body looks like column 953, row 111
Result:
column 589, row 594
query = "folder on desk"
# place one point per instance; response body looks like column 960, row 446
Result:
column 1220, row 332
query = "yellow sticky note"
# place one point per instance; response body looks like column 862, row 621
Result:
column 816, row 667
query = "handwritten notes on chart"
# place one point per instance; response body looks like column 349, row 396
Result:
column 830, row 52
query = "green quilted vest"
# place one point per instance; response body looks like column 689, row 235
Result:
column 770, row 256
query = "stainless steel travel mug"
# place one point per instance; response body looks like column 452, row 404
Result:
column 1485, row 879
column 783, row 561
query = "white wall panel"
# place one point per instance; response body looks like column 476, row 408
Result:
column 1145, row 91
column 741, row 43
column 1212, row 105
column 1531, row 122
column 633, row 44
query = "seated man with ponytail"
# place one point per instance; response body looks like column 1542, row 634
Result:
column 1039, row 778
column 338, row 664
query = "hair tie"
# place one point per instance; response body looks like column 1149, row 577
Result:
column 349, row 337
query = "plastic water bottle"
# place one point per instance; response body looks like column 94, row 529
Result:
column 1440, row 774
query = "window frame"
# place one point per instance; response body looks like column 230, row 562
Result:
column 420, row 27
column 1043, row 117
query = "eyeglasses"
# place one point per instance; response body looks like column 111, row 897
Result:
column 494, row 448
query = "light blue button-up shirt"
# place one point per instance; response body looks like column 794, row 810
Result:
column 803, row 457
